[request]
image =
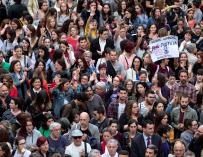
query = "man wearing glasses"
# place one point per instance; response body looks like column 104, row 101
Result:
column 78, row 148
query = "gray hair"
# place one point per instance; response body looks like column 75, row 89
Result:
column 94, row 153
column 112, row 141
column 54, row 124
column 189, row 154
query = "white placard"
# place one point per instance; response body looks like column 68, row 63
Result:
column 165, row 47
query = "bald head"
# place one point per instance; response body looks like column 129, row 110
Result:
column 84, row 119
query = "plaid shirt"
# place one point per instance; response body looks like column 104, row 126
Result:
column 188, row 90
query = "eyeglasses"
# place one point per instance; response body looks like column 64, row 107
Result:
column 77, row 137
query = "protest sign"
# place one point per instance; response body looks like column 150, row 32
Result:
column 165, row 47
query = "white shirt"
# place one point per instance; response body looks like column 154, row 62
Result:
column 107, row 155
column 121, row 108
column 74, row 151
column 102, row 44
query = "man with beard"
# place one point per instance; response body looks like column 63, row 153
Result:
column 182, row 112
column 196, row 144
column 184, row 87
column 116, row 108
column 4, row 99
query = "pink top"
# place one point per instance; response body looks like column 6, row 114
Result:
column 126, row 61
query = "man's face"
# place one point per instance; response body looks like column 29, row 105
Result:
column 104, row 35
column 102, row 71
column 149, row 130
column 184, row 102
column 77, row 140
column 4, row 91
column 183, row 77
column 122, row 95
column 150, row 153
column 84, row 121
column 150, row 99
column 179, row 150
column 112, row 147
column 89, row 92
column 83, row 44
column 113, row 56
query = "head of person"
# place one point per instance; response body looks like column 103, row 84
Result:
column 102, row 69
column 20, row 143
column 99, row 113
column 184, row 101
column 113, row 126
column 106, row 135
column 117, row 80
column 77, row 137
column 4, row 150
column 89, row 91
column 158, row 107
column 129, row 47
column 151, row 151
column 199, row 133
column 47, row 120
column 188, row 35
column 112, row 55
column 83, row 42
column 132, row 126
column 103, row 33
column 36, row 83
column 189, row 154
column 65, row 125
column 4, row 91
column 84, row 119
column 191, row 125
column 29, row 125
column 94, row 153
column 42, row 144
column 112, row 146
column 122, row 94
column 179, row 148
column 15, row 66
column 16, row 103
column 143, row 76
column 148, row 128
column 123, row 153
column 150, row 97
column 183, row 76
column 55, row 128
column 161, row 119
column 100, row 88
column 131, row 108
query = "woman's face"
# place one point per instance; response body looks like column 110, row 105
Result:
column 187, row 37
column 25, row 44
column 116, row 82
column 40, row 66
column 63, row 7
column 63, row 47
column 135, row 108
column 49, row 121
column 12, row 104
column 52, row 23
column 160, row 107
column 183, row 57
column 41, row 53
column 58, row 67
column 63, row 37
column 140, row 30
column 19, row 52
column 44, row 147
column 123, row 5
column 37, row 84
column 133, row 128
column 75, row 75
column 54, row 36
column 157, row 13
column 127, row 14
column 81, row 22
column 106, row 9
column 114, row 127
column 164, row 121
column 137, row 9
column 73, row 31
column 17, row 67
column 106, row 136
column 14, row 25
column 199, row 59
column 147, row 59
column 190, row 14
column 197, row 29
column 80, row 63
column 141, row 89
column 153, row 28
column 47, row 43
column 136, row 63
column 45, row 6
column 66, row 86
column 129, row 85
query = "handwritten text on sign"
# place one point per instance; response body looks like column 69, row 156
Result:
column 165, row 47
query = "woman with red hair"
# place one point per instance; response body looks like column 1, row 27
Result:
column 126, row 58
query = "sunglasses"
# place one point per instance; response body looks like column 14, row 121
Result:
column 77, row 137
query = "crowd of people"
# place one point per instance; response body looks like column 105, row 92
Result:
column 77, row 79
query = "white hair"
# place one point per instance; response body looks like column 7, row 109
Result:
column 112, row 141
column 54, row 124
column 94, row 153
